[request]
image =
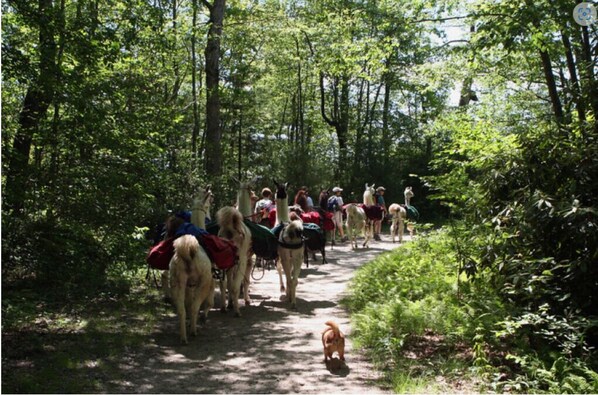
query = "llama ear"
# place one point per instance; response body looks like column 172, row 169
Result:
column 367, row 186
column 208, row 188
column 286, row 185
column 275, row 183
column 373, row 185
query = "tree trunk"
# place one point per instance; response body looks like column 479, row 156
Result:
column 575, row 86
column 587, row 72
column 339, row 119
column 213, row 157
column 35, row 107
column 557, row 107
column 385, row 117
column 195, row 133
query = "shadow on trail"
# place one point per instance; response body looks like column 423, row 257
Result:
column 249, row 354
column 270, row 349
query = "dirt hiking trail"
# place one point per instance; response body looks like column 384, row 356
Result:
column 270, row 349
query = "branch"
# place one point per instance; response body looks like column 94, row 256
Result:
column 205, row 2
column 450, row 18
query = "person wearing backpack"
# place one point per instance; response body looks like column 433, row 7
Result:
column 263, row 207
column 335, row 205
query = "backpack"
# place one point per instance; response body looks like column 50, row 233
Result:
column 221, row 252
column 263, row 242
column 159, row 255
column 333, row 203
column 412, row 213
column 314, row 237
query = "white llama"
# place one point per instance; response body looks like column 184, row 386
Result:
column 290, row 243
column 190, row 278
column 244, row 205
column 399, row 215
column 356, row 220
column 232, row 227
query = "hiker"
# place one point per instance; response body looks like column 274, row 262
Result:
column 380, row 203
column 263, row 207
column 335, row 205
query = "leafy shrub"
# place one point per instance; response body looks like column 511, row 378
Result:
column 414, row 289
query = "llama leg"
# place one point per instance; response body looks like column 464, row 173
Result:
column 230, row 284
column 236, row 290
column 195, row 306
column 208, row 299
column 279, row 270
column 223, row 286
column 166, row 284
column 401, row 229
column 369, row 229
column 178, row 295
column 296, row 273
column 286, row 266
column 247, row 280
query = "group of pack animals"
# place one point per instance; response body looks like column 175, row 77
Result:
column 190, row 281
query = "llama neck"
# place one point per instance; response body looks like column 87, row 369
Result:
column 368, row 200
column 244, row 202
column 199, row 214
column 198, row 218
column 282, row 211
column 407, row 200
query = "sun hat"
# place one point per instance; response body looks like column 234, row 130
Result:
column 266, row 190
column 337, row 189
column 381, row 189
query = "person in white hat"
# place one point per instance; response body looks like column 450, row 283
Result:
column 381, row 203
column 335, row 204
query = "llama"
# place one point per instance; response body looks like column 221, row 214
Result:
column 230, row 221
column 232, row 227
column 245, row 205
column 190, row 273
column 190, row 281
column 408, row 195
column 369, row 206
column 290, row 243
column 399, row 215
column 368, row 195
column 199, row 212
column 356, row 223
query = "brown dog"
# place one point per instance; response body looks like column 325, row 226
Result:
column 333, row 340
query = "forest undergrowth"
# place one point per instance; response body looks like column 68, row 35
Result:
column 432, row 329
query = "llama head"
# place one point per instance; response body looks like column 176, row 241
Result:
column 409, row 193
column 246, row 185
column 204, row 198
column 368, row 195
column 201, row 206
column 281, row 190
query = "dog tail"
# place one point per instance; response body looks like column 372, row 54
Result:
column 333, row 325
column 186, row 247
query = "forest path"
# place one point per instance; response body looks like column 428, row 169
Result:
column 270, row 349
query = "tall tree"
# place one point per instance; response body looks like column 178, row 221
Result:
column 213, row 151
column 38, row 99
